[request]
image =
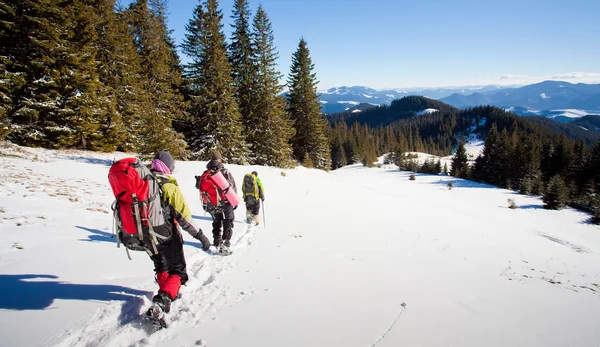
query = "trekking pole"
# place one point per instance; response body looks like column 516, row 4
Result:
column 263, row 208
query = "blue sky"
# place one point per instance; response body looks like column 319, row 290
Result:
column 430, row 43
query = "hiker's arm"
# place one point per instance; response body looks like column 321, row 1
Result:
column 261, row 190
column 187, row 224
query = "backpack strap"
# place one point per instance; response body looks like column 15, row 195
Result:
column 136, row 211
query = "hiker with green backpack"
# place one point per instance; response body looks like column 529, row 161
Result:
column 253, row 193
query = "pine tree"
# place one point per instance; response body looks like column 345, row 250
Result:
column 305, row 110
column 460, row 162
column 215, row 115
column 242, row 59
column 119, row 72
column 338, row 155
column 269, row 129
column 28, row 36
column 161, row 79
column 57, row 100
column 556, row 193
column 307, row 161
column 10, row 78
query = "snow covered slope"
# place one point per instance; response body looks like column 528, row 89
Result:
column 355, row 257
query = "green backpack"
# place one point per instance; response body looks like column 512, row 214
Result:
column 250, row 187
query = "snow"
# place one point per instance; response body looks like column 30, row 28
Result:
column 353, row 257
column 544, row 96
column 349, row 102
column 323, row 101
column 356, row 111
column 427, row 111
column 367, row 96
column 571, row 113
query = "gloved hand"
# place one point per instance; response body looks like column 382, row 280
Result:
column 205, row 242
column 262, row 198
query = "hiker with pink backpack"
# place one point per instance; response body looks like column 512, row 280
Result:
column 148, row 209
column 219, row 198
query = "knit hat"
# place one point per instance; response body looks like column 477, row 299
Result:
column 255, row 173
column 167, row 161
column 215, row 155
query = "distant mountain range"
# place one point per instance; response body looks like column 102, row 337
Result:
column 562, row 101
column 335, row 100
column 435, row 119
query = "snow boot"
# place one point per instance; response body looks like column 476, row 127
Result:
column 248, row 216
column 163, row 300
column 224, row 249
column 161, row 305
column 256, row 219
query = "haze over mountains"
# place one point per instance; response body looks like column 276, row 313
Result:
column 553, row 99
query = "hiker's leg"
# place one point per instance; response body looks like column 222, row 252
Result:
column 160, row 269
column 256, row 208
column 229, row 216
column 217, row 223
column 249, row 214
column 173, row 252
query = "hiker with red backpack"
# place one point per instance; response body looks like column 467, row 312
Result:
column 149, row 207
column 219, row 198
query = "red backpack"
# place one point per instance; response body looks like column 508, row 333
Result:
column 140, row 214
column 212, row 197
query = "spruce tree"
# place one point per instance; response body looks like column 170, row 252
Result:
column 269, row 129
column 119, row 72
column 242, row 59
column 29, row 34
column 460, row 162
column 556, row 195
column 10, row 79
column 161, row 79
column 305, row 110
column 56, row 100
column 214, row 111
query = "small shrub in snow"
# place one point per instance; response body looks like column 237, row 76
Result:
column 511, row 203
column 412, row 156
column 379, row 165
column 412, row 177
column 450, row 185
column 283, row 173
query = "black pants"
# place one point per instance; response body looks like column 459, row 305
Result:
column 252, row 204
column 223, row 219
column 170, row 257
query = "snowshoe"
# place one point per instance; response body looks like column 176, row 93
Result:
column 161, row 305
column 224, row 250
column 157, row 317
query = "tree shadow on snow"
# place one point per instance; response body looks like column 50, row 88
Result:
column 89, row 160
column 531, row 207
column 103, row 236
column 97, row 235
column 207, row 217
column 461, row 183
column 36, row 292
